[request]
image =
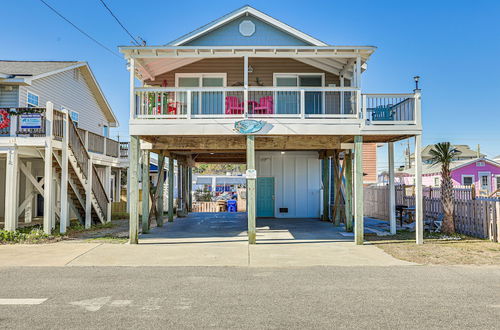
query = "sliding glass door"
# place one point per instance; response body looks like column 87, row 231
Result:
column 206, row 103
column 288, row 102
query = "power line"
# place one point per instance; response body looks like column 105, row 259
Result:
column 80, row 30
column 118, row 21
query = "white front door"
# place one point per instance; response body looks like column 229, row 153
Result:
column 485, row 181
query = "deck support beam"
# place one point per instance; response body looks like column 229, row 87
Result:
column 190, row 189
column 358, row 191
column 134, row 190
column 107, row 175
column 88, row 195
column 325, row 168
column 180, row 190
column 419, row 215
column 11, row 189
column 170, row 189
column 392, row 191
column 28, row 195
column 159, row 190
column 145, row 191
column 48, row 202
column 64, row 220
column 348, row 190
column 251, row 190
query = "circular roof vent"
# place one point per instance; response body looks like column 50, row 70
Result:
column 247, row 28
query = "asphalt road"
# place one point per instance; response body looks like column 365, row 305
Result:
column 256, row 298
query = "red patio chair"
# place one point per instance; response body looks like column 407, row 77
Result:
column 234, row 106
column 265, row 106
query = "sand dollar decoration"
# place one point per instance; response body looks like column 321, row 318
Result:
column 247, row 28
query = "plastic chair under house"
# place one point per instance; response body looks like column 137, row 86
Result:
column 233, row 106
column 231, row 205
column 265, row 106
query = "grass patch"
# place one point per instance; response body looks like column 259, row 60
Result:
column 455, row 249
column 108, row 238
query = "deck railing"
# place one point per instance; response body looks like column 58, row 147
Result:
column 112, row 148
column 77, row 145
column 124, row 146
column 236, row 102
column 95, row 143
column 99, row 192
column 58, row 125
column 389, row 108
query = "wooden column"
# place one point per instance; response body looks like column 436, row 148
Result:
column 419, row 214
column 170, row 189
column 190, row 189
column 145, row 191
column 181, row 212
column 107, row 184
column 11, row 189
column 185, row 190
column 325, row 169
column 392, row 191
column 64, row 219
column 48, row 202
column 118, row 185
column 159, row 190
column 358, row 191
column 28, row 194
column 88, row 195
column 134, row 190
column 348, row 190
column 251, row 185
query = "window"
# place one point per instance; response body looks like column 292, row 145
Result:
column 480, row 164
column 105, row 131
column 32, row 100
column 437, row 181
column 467, row 180
column 75, row 116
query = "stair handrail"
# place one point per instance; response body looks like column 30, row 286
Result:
column 77, row 140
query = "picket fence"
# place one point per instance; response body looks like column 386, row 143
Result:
column 475, row 217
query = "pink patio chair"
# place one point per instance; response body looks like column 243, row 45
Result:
column 265, row 106
column 234, row 106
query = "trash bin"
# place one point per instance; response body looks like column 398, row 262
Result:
column 231, row 205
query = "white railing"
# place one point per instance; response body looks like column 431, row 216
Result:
column 234, row 102
column 390, row 109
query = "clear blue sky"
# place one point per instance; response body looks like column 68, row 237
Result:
column 453, row 45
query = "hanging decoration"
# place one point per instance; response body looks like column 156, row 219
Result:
column 4, row 119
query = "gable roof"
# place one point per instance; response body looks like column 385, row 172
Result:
column 246, row 10
column 465, row 151
column 32, row 68
column 27, row 71
column 436, row 168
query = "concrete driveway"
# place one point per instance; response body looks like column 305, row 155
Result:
column 212, row 239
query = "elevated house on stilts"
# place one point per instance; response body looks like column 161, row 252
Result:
column 248, row 88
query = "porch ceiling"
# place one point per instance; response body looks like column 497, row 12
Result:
column 153, row 61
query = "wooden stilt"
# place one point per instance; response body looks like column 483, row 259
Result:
column 107, row 185
column 251, row 186
column 170, row 189
column 348, row 190
column 338, row 189
column 392, row 191
column 88, row 195
column 11, row 189
column 190, row 189
column 28, row 194
column 419, row 214
column 185, row 190
column 48, row 204
column 134, row 190
column 325, row 168
column 145, row 191
column 358, row 190
column 159, row 190
column 64, row 219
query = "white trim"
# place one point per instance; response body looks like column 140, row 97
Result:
column 297, row 74
column 467, row 176
column 27, row 98
column 245, row 11
column 484, row 174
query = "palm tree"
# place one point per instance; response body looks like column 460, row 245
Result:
column 443, row 153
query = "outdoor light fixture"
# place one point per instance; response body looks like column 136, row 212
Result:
column 282, row 152
column 250, row 69
column 416, row 78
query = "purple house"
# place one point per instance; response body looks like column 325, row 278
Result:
column 483, row 173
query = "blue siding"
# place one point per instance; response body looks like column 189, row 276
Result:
column 229, row 35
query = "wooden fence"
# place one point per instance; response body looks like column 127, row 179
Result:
column 474, row 217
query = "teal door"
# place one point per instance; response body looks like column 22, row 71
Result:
column 265, row 197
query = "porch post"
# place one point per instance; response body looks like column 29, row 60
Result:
column 190, row 189
column 419, row 215
column 251, row 185
column 185, row 190
column 118, row 185
column 134, row 189
column 348, row 190
column 180, row 190
column 107, row 172
column 159, row 189
column 392, row 191
column 11, row 189
column 358, row 190
column 64, row 219
column 145, row 191
column 48, row 202
column 325, row 168
column 170, row 189
column 88, row 195
column 28, row 193
column 245, row 85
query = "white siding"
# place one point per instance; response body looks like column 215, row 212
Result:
column 297, row 181
column 71, row 91
column 9, row 98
